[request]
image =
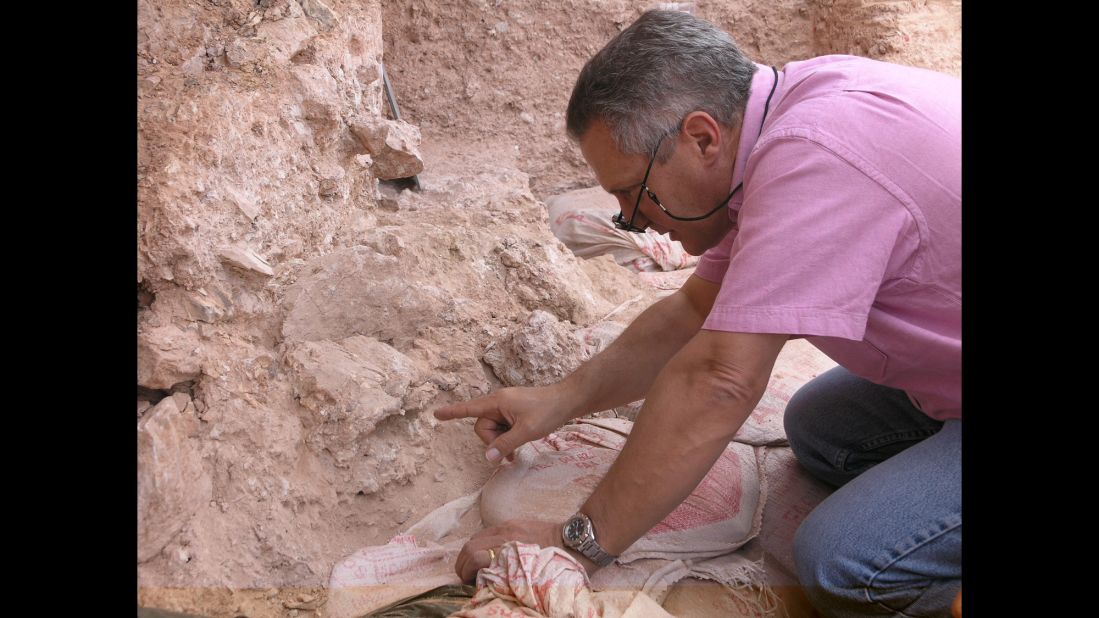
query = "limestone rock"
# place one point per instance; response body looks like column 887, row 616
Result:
column 246, row 259
column 393, row 144
column 167, row 355
column 540, row 351
column 274, row 44
column 351, row 385
column 171, row 481
column 543, row 350
column 320, row 12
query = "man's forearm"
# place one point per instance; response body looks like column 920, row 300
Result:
column 626, row 369
column 692, row 412
column 674, row 443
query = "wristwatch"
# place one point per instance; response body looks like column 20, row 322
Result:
column 579, row 534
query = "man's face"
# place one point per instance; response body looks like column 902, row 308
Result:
column 686, row 185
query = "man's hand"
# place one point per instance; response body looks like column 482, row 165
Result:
column 475, row 555
column 511, row 417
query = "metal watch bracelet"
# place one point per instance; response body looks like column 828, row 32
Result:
column 578, row 527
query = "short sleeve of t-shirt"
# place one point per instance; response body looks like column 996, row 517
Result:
column 817, row 236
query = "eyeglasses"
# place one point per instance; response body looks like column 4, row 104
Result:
column 619, row 220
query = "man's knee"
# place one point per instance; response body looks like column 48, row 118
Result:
column 801, row 415
column 805, row 422
column 830, row 579
column 842, row 576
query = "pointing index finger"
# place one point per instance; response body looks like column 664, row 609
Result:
column 466, row 409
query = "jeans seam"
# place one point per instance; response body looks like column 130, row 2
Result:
column 870, row 583
column 839, row 461
column 896, row 436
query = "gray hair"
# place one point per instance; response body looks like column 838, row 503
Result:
column 666, row 65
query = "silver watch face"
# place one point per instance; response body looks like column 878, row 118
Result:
column 576, row 530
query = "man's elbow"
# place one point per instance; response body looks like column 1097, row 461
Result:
column 724, row 375
column 724, row 395
column 728, row 384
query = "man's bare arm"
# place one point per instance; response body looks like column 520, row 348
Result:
column 626, row 369
column 698, row 402
column 511, row 417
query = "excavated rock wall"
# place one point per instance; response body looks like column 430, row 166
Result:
column 298, row 321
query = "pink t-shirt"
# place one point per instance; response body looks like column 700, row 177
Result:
column 848, row 226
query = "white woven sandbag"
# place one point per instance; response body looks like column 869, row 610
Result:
column 581, row 219
column 551, row 478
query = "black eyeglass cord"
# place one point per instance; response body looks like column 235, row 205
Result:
column 619, row 220
column 766, row 108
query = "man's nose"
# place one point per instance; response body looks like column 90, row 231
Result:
column 625, row 205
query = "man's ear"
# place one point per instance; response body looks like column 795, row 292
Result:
column 703, row 133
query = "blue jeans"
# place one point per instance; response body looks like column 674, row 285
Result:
column 888, row 541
